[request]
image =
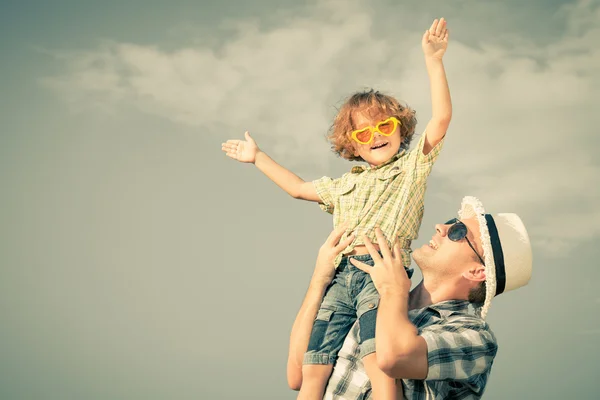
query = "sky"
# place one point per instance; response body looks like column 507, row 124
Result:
column 138, row 261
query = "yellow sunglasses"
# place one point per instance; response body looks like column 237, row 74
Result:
column 386, row 127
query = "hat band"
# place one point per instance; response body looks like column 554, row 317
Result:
column 498, row 254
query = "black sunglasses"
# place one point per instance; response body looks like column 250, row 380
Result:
column 458, row 231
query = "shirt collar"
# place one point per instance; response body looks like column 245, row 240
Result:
column 448, row 307
column 357, row 169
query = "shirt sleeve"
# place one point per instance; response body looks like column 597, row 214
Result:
column 458, row 352
column 328, row 190
column 433, row 154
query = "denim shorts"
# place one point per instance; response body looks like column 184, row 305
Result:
column 350, row 296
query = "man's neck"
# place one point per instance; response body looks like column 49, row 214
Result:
column 428, row 292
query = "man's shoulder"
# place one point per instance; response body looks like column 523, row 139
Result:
column 456, row 317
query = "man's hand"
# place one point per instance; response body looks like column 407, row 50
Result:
column 324, row 270
column 241, row 150
column 388, row 273
column 435, row 40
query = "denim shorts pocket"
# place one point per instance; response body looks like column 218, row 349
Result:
column 367, row 318
column 324, row 314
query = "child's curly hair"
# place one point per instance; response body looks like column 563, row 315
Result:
column 376, row 103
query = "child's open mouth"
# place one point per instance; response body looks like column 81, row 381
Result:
column 379, row 146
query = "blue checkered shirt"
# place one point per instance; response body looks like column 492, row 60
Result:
column 460, row 346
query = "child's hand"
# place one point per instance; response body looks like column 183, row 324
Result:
column 435, row 39
column 241, row 150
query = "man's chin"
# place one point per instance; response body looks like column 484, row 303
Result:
column 421, row 257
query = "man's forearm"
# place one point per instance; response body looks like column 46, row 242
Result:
column 401, row 352
column 302, row 329
column 395, row 332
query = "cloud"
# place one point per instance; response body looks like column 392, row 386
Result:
column 590, row 332
column 524, row 127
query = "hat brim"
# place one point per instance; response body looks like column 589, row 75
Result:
column 471, row 207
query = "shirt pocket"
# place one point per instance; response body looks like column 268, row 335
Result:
column 347, row 196
column 391, row 174
column 390, row 183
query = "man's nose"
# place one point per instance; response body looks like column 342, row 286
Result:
column 441, row 229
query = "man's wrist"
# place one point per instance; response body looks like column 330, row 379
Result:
column 319, row 284
column 320, row 279
column 394, row 294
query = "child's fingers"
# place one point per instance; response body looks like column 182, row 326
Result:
column 440, row 27
column 231, row 155
column 434, row 25
column 446, row 35
column 425, row 38
column 248, row 137
column 361, row 265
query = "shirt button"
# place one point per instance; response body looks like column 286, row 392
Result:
column 371, row 305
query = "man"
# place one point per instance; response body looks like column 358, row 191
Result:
column 427, row 339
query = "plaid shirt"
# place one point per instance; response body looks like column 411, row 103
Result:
column 390, row 196
column 460, row 352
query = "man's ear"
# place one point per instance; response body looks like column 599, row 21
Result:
column 475, row 274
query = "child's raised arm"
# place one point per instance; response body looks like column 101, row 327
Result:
column 434, row 43
column 247, row 151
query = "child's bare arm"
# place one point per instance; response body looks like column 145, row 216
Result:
column 247, row 151
column 434, row 43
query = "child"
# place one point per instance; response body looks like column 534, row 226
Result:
column 388, row 194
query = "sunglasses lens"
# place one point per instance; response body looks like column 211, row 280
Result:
column 387, row 127
column 451, row 221
column 363, row 136
column 457, row 232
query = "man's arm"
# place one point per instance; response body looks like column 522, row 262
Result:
column 401, row 352
column 321, row 278
column 302, row 329
column 456, row 350
column 434, row 43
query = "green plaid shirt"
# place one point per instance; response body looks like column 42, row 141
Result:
column 460, row 352
column 390, row 196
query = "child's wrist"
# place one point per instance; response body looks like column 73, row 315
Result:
column 258, row 153
column 433, row 60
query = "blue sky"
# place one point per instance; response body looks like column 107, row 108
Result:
column 139, row 261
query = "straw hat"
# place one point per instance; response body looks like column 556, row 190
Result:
column 506, row 249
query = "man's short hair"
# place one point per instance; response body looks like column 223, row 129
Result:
column 477, row 294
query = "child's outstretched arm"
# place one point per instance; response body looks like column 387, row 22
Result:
column 247, row 151
column 434, row 43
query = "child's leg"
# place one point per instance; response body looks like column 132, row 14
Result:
column 382, row 386
column 314, row 381
column 332, row 324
